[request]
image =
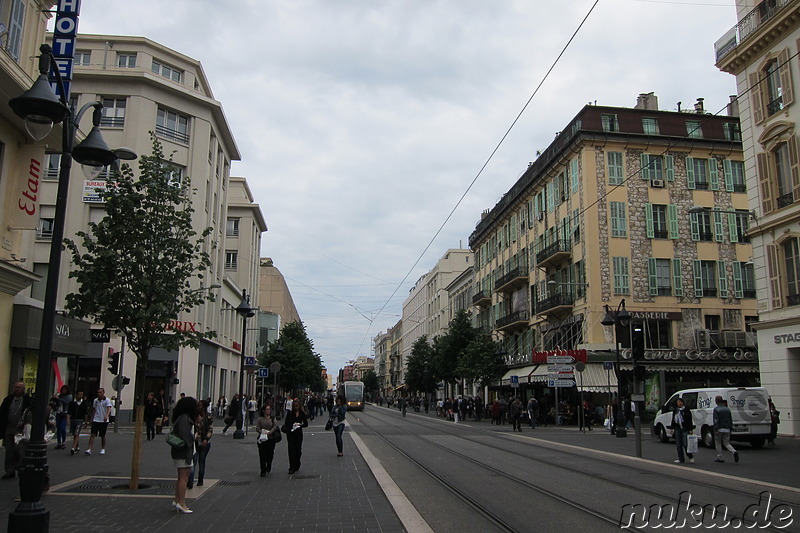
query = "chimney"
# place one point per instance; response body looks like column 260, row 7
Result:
column 733, row 106
column 698, row 107
column 647, row 101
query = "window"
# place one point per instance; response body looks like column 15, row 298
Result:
column 771, row 87
column 657, row 167
column 172, row 125
column 619, row 224
column 609, row 122
column 744, row 281
column 734, row 176
column 126, row 60
column 175, row 173
column 231, row 260
column 616, row 175
column 705, row 278
column 694, row 129
column 661, row 221
column 660, row 277
column 45, row 228
column 15, row 25
column 791, row 253
column 658, row 334
column 701, row 226
column 621, row 276
column 775, row 167
column 783, row 168
column 738, row 223
column 167, row 71
column 732, row 131
column 650, row 126
column 52, row 164
column 113, row 113
column 83, row 59
column 712, row 322
column 702, row 174
column 38, row 287
column 774, row 90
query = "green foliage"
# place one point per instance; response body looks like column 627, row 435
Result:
column 419, row 372
column 480, row 362
column 136, row 266
column 370, row 381
column 451, row 347
column 301, row 367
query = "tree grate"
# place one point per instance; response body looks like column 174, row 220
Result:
column 233, row 483
column 305, row 476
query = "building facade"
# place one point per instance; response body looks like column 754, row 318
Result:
column 762, row 52
column 633, row 204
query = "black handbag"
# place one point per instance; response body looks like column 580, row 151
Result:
column 329, row 424
column 277, row 437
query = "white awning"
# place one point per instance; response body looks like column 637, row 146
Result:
column 595, row 378
column 521, row 372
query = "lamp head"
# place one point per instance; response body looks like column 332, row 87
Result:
column 623, row 315
column 40, row 108
column 93, row 152
column 608, row 319
column 244, row 310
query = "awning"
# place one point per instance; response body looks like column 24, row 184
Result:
column 595, row 378
column 521, row 372
column 752, row 368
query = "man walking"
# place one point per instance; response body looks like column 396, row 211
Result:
column 723, row 425
column 11, row 410
column 533, row 411
column 101, row 414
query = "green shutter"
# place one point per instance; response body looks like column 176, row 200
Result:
column 677, row 279
column 575, row 180
column 645, row 160
column 690, row 172
column 648, row 211
column 738, row 282
column 719, row 228
column 651, row 276
column 550, row 200
column 669, row 163
column 728, row 171
column 672, row 221
column 513, row 228
column 698, row 278
column 713, row 174
column 695, row 225
column 723, row 279
column 732, row 228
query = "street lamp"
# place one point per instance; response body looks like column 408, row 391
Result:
column 41, row 109
column 700, row 209
column 620, row 318
column 245, row 311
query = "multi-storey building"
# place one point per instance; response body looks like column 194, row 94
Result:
column 762, row 52
column 381, row 346
column 426, row 310
column 638, row 204
column 274, row 294
column 146, row 87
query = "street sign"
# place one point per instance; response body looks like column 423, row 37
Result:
column 555, row 369
column 275, row 367
column 263, row 372
column 560, row 383
column 118, row 383
column 608, row 365
column 580, row 366
column 249, row 361
column 561, row 375
column 514, row 381
column 560, row 359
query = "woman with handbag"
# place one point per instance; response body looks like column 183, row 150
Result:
column 337, row 419
column 683, row 426
column 203, row 430
column 296, row 420
column 269, row 434
column 183, row 417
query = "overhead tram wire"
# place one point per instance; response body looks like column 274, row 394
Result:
column 483, row 167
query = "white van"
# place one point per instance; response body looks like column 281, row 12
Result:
column 749, row 407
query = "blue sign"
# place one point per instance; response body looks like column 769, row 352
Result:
column 515, row 379
column 608, row 365
column 64, row 32
column 249, row 361
column 263, row 372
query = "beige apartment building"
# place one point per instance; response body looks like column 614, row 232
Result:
column 762, row 52
column 605, row 214
column 146, row 87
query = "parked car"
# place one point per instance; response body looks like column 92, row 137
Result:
column 749, row 407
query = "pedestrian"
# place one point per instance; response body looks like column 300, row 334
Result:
column 101, row 413
column 287, row 406
column 515, row 410
column 775, row 419
column 234, row 413
column 11, row 411
column 203, row 430
column 533, row 411
column 266, row 428
column 723, row 425
column 183, row 416
column 76, row 416
column 337, row 416
column 162, row 406
column 152, row 413
column 113, row 416
column 252, row 408
column 222, row 406
column 64, row 399
column 682, row 426
column 293, row 426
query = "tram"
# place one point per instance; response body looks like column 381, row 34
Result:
column 353, row 392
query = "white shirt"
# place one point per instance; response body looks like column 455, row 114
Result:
column 101, row 409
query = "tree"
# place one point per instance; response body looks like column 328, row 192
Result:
column 301, row 367
column 136, row 267
column 419, row 371
column 451, row 347
column 370, row 381
column 480, row 361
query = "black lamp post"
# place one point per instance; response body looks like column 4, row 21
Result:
column 41, row 108
column 620, row 318
column 245, row 311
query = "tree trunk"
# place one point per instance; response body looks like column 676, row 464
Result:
column 138, row 400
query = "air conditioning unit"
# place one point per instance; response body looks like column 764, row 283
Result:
column 702, row 339
column 657, row 183
column 732, row 339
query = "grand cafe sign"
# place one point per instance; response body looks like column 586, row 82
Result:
column 737, row 356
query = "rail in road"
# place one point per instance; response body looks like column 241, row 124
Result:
column 468, row 478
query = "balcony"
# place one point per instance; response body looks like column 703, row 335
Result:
column 555, row 254
column 767, row 12
column 482, row 299
column 558, row 303
column 785, row 200
column 512, row 281
column 513, row 321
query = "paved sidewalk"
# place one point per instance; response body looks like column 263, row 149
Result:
column 329, row 493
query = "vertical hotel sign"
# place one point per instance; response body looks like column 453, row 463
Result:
column 64, row 33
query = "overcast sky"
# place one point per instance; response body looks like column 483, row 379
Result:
column 362, row 123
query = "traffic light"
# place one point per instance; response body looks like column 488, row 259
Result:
column 113, row 362
column 637, row 341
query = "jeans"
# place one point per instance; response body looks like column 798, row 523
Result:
column 61, row 428
column 722, row 439
column 532, row 416
column 151, row 428
column 199, row 462
column 338, row 430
